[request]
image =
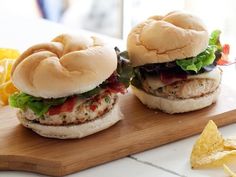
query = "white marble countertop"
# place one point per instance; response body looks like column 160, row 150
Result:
column 169, row 160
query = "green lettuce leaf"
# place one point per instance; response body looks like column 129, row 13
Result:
column 19, row 100
column 215, row 39
column 205, row 58
column 38, row 105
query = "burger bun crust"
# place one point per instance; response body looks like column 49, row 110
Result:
column 161, row 39
column 68, row 65
column 175, row 105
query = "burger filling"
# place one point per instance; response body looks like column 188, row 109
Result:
column 75, row 110
column 192, row 86
column 78, row 108
column 185, row 78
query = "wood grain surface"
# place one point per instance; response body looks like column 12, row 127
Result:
column 141, row 129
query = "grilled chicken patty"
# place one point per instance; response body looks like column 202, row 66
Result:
column 193, row 86
column 185, row 89
column 84, row 110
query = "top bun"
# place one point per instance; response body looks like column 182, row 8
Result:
column 162, row 39
column 65, row 66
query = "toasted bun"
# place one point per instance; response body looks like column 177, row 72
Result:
column 167, row 38
column 65, row 66
column 176, row 105
column 74, row 131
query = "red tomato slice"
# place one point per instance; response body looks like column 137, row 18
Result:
column 66, row 107
column 226, row 49
column 224, row 60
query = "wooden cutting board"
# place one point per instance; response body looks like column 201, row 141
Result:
column 141, row 129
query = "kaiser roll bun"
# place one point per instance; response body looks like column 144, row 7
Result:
column 65, row 66
column 161, row 39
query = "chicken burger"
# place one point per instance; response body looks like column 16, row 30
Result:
column 69, row 87
column 174, row 62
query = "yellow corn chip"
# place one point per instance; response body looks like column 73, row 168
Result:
column 6, row 90
column 209, row 142
column 230, row 144
column 212, row 150
column 5, row 69
column 9, row 53
column 7, row 59
column 228, row 171
column 216, row 159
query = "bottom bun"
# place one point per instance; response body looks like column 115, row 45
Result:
column 74, row 131
column 176, row 105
